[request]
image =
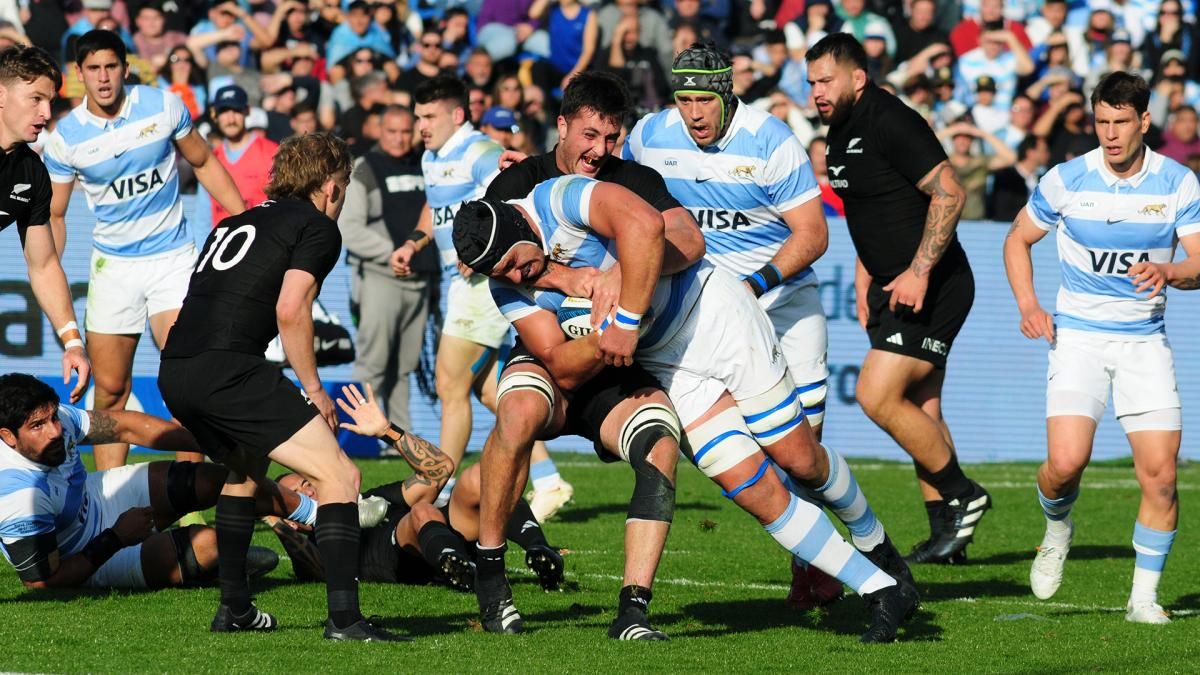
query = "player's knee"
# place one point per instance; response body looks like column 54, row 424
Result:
column 424, row 513
column 774, row 414
column 762, row 494
column 802, row 457
column 652, row 429
column 111, row 389
column 195, row 553
column 872, row 400
column 526, row 398
column 1065, row 467
column 182, row 488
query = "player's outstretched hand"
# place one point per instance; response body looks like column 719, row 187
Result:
column 510, row 157
column 907, row 290
column 368, row 417
column 1037, row 323
column 1149, row 276
column 617, row 346
column 133, row 526
column 606, row 291
column 76, row 359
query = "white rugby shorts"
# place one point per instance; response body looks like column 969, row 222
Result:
column 1140, row 373
column 471, row 313
column 123, row 292
column 109, row 494
column 727, row 343
column 799, row 321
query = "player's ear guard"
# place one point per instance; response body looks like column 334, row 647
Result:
column 486, row 229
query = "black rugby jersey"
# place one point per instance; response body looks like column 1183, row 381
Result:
column 24, row 189
column 518, row 180
column 874, row 159
column 230, row 303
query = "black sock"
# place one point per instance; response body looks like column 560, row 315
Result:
column 635, row 597
column 235, row 528
column 523, row 528
column 491, row 584
column 434, row 538
column 950, row 481
column 337, row 538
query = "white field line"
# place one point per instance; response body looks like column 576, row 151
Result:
column 783, row 588
column 1129, row 484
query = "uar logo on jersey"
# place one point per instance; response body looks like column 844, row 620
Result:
column 1116, row 262
column 127, row 187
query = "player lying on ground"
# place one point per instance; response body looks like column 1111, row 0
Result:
column 708, row 342
column 61, row 527
column 416, row 542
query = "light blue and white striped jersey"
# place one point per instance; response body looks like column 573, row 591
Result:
column 37, row 499
column 1106, row 225
column 127, row 168
column 459, row 172
column 559, row 210
column 737, row 189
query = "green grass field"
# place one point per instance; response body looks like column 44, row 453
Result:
column 719, row 595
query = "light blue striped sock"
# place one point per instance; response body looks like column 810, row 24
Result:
column 847, row 501
column 1152, row 547
column 306, row 511
column 1058, row 516
column 804, row 530
column 544, row 474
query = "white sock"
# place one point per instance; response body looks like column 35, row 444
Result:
column 1058, row 532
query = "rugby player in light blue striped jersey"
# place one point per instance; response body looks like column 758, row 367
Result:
column 120, row 144
column 1119, row 212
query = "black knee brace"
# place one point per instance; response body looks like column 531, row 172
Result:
column 653, row 493
column 181, row 486
column 189, row 568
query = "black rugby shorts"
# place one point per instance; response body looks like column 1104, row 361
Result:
column 233, row 401
column 929, row 335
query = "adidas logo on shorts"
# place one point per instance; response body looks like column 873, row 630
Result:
column 896, row 339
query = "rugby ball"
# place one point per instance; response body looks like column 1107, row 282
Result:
column 575, row 317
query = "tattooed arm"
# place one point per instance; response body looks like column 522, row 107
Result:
column 946, row 199
column 127, row 426
column 432, row 467
column 1184, row 275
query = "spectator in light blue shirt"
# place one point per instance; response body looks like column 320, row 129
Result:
column 356, row 32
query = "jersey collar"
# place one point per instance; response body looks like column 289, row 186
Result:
column 456, row 139
column 1150, row 164
column 14, row 459
column 86, row 117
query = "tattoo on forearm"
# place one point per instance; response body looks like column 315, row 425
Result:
column 430, row 463
column 103, row 428
column 1187, row 284
column 945, row 205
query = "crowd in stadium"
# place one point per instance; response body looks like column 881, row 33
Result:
column 987, row 74
column 381, row 128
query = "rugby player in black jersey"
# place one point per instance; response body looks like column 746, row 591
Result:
column 913, row 284
column 258, row 275
column 29, row 80
column 532, row 405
